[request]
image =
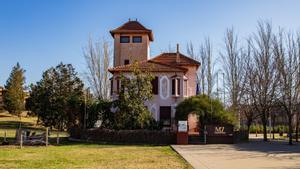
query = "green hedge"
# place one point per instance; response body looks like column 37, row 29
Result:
column 124, row 136
column 259, row 128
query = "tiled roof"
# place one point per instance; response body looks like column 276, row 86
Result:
column 132, row 27
column 170, row 59
column 148, row 66
column 165, row 62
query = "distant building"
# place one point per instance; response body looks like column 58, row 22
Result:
column 175, row 73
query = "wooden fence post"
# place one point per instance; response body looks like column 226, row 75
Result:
column 5, row 132
column 47, row 136
column 57, row 138
column 21, row 139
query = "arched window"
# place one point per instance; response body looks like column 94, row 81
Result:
column 176, row 85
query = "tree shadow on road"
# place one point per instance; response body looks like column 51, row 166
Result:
column 270, row 147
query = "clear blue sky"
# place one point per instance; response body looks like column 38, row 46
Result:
column 41, row 33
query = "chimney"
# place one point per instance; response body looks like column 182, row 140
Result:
column 177, row 53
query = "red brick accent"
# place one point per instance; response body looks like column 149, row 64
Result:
column 182, row 138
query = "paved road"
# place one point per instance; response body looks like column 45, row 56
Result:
column 252, row 155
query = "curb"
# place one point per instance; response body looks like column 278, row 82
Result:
column 181, row 156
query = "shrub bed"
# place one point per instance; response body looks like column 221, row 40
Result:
column 124, row 136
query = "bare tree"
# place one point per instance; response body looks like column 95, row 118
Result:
column 245, row 101
column 298, row 77
column 191, row 51
column 201, row 72
column 206, row 74
column 263, row 73
column 98, row 57
column 233, row 66
column 297, row 125
column 208, row 52
column 287, row 67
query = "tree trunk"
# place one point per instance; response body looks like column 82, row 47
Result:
column 264, row 122
column 38, row 120
column 20, row 123
column 249, row 122
column 297, row 131
column 297, row 127
column 290, row 130
column 265, row 132
column 248, row 128
column 273, row 128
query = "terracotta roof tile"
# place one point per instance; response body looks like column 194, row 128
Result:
column 170, row 59
column 149, row 66
column 132, row 27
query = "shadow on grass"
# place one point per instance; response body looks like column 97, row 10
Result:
column 64, row 141
column 52, row 141
column 4, row 115
column 11, row 140
column 15, row 124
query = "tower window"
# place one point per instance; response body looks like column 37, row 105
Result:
column 137, row 39
column 124, row 39
column 126, row 62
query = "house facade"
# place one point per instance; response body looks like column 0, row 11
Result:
column 175, row 73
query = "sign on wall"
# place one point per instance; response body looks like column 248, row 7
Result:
column 219, row 130
column 182, row 126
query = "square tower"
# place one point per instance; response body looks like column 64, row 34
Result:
column 131, row 43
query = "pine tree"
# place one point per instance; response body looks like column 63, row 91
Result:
column 14, row 91
column 56, row 98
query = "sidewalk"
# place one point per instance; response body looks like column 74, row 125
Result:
column 252, row 155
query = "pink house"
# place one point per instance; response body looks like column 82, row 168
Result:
column 175, row 73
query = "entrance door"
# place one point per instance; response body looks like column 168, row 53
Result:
column 165, row 115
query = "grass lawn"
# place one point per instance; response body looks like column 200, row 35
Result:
column 90, row 156
column 80, row 155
